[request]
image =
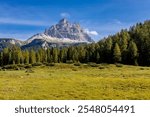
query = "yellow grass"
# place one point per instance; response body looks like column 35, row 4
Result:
column 65, row 81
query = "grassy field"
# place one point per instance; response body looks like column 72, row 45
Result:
column 66, row 81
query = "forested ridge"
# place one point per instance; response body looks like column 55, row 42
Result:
column 131, row 47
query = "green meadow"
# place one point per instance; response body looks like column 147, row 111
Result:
column 70, row 82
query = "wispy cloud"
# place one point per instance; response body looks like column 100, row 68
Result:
column 19, row 36
column 22, row 22
column 116, row 21
column 65, row 14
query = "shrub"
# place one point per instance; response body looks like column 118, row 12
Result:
column 37, row 64
column 50, row 64
column 119, row 65
column 29, row 71
column 28, row 66
column 142, row 68
column 10, row 67
column 101, row 67
column 77, row 64
column 21, row 65
column 69, row 61
column 93, row 64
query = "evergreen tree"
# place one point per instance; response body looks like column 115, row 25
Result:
column 75, row 56
column 55, row 55
column 1, row 58
column 38, row 60
column 5, row 56
column 117, row 53
column 97, row 57
column 32, row 58
column 26, row 56
column 48, row 55
column 133, row 52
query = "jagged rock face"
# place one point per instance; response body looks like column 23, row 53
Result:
column 64, row 29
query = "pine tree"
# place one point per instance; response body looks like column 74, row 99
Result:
column 117, row 53
column 5, row 56
column 48, row 55
column 107, row 51
column 26, row 56
column 75, row 56
column 97, row 57
column 55, row 55
column 1, row 58
column 38, row 59
column 133, row 52
column 32, row 57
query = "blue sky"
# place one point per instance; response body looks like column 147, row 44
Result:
column 21, row 19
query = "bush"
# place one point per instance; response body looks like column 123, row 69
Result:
column 69, row 61
column 28, row 66
column 77, row 64
column 142, row 68
column 10, row 67
column 119, row 65
column 50, row 64
column 29, row 71
column 101, row 67
column 20, row 65
column 93, row 64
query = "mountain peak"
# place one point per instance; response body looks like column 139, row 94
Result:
column 63, row 21
column 63, row 32
column 66, row 30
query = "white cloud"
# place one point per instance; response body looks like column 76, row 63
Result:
column 95, row 33
column 65, row 14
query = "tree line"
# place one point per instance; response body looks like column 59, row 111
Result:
column 130, row 47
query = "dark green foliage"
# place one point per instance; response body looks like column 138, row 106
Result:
column 117, row 53
column 32, row 57
column 133, row 53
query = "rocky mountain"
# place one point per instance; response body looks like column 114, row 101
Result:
column 63, row 34
column 8, row 42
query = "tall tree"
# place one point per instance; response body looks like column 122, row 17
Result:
column 32, row 57
column 133, row 52
column 26, row 56
column 55, row 55
column 5, row 56
column 1, row 58
column 117, row 53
